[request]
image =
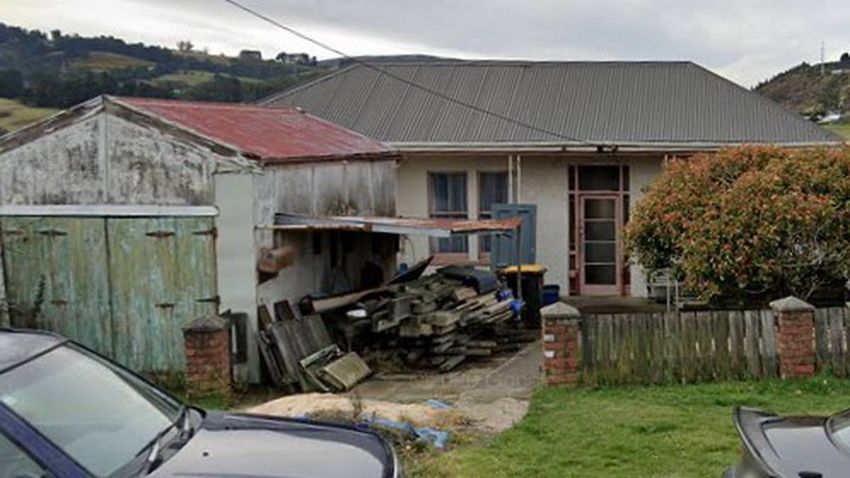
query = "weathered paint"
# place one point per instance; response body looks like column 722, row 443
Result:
column 324, row 189
column 106, row 159
column 58, row 267
column 162, row 274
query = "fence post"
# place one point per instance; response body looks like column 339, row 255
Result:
column 795, row 337
column 207, row 344
column 561, row 344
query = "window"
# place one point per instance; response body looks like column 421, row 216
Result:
column 16, row 462
column 447, row 200
column 492, row 189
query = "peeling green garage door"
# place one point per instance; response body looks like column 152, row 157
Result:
column 163, row 276
column 123, row 286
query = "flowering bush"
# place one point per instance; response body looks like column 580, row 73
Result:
column 748, row 221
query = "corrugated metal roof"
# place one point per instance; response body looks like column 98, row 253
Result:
column 281, row 134
column 395, row 225
column 621, row 103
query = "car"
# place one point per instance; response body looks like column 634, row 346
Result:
column 66, row 411
column 791, row 447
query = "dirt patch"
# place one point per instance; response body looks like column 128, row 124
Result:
column 311, row 404
column 494, row 417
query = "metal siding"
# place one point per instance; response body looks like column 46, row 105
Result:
column 504, row 246
column 266, row 133
column 620, row 102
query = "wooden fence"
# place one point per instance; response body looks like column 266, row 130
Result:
column 699, row 346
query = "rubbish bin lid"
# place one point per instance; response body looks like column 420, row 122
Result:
column 526, row 269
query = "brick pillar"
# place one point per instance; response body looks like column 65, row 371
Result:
column 207, row 344
column 561, row 344
column 795, row 337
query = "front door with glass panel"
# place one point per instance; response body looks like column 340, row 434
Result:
column 599, row 256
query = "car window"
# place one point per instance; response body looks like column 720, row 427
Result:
column 96, row 413
column 16, row 463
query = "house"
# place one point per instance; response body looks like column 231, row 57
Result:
column 578, row 140
column 253, row 55
column 122, row 219
column 301, row 59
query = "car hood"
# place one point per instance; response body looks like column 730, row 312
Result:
column 791, row 446
column 237, row 445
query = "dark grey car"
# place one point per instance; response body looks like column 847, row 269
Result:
column 67, row 412
column 791, row 447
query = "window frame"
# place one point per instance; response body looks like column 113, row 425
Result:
column 484, row 256
column 448, row 257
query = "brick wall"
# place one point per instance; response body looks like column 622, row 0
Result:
column 207, row 347
column 561, row 345
column 795, row 337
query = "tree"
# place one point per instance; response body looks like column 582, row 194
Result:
column 11, row 84
column 749, row 223
column 185, row 46
column 845, row 57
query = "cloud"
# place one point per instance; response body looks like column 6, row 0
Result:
column 745, row 41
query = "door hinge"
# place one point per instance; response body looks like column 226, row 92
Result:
column 13, row 232
column 52, row 232
column 59, row 302
column 210, row 300
column 209, row 232
column 160, row 234
column 166, row 305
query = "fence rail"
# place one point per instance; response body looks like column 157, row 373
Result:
column 699, row 346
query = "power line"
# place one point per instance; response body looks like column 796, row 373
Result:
column 401, row 79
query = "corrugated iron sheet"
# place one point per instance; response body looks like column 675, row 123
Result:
column 282, row 134
column 396, row 225
column 600, row 102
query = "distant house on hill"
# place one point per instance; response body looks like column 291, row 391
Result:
column 250, row 55
column 577, row 140
column 301, row 59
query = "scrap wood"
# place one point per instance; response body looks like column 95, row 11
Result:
column 346, row 372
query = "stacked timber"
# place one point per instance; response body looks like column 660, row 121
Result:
column 437, row 322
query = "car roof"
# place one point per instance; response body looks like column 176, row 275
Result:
column 18, row 346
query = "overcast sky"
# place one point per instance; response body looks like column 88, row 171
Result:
column 744, row 40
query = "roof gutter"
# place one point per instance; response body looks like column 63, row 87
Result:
column 607, row 147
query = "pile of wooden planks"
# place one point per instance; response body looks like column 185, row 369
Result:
column 301, row 356
column 438, row 322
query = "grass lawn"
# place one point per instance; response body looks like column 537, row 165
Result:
column 14, row 115
column 665, row 431
column 841, row 128
column 196, row 77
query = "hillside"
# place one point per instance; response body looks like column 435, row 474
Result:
column 811, row 92
column 40, row 73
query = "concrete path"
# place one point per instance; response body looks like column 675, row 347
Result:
column 493, row 392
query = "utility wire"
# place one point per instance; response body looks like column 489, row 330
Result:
column 401, row 79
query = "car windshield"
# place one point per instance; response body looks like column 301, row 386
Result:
column 99, row 414
column 838, row 427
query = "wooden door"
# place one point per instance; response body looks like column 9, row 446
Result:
column 599, row 248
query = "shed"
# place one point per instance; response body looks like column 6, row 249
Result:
column 122, row 219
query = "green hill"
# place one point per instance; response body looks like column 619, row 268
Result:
column 811, row 90
column 42, row 72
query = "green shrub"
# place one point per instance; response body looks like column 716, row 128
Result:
column 748, row 222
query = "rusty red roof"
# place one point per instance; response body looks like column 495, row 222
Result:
column 270, row 134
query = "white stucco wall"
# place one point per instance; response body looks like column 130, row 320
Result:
column 643, row 172
column 544, row 182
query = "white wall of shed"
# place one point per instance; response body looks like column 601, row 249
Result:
column 234, row 196
column 642, row 172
